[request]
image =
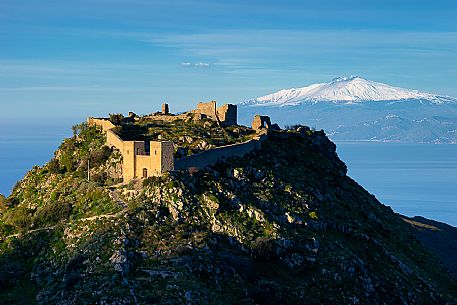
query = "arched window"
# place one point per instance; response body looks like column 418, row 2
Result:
column 145, row 172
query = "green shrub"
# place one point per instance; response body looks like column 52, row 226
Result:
column 99, row 178
column 2, row 202
column 52, row 213
column 54, row 166
column 79, row 128
column 19, row 218
column 100, row 156
column 313, row 215
column 116, row 118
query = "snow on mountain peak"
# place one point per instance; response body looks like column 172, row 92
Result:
column 348, row 90
column 344, row 78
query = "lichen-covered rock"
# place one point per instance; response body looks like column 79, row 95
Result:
column 119, row 261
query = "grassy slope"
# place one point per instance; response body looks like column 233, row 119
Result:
column 439, row 238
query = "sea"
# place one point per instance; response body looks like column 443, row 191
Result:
column 414, row 179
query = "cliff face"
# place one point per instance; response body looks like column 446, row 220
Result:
column 283, row 225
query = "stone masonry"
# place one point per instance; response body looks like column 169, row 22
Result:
column 225, row 115
column 261, row 122
column 137, row 162
column 165, row 109
column 145, row 159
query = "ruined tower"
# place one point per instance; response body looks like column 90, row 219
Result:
column 165, row 109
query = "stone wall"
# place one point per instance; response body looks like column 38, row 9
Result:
column 113, row 140
column 169, row 117
column 227, row 114
column 145, row 163
column 104, row 123
column 137, row 163
column 167, row 156
column 208, row 109
column 261, row 122
column 212, row 156
column 128, row 161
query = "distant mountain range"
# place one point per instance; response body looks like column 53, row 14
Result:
column 353, row 108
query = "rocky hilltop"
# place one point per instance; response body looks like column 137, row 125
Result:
column 282, row 225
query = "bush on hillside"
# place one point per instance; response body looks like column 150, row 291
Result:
column 52, row 213
column 116, row 118
column 79, row 128
column 19, row 218
column 54, row 166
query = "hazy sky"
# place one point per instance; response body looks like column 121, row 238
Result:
column 90, row 57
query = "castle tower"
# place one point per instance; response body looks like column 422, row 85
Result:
column 138, row 163
column 161, row 157
column 165, row 109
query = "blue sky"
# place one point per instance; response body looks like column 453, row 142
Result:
column 91, row 57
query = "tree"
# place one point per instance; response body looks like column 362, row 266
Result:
column 116, row 118
column 78, row 128
column 2, row 202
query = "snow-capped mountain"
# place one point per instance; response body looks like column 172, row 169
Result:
column 351, row 89
column 353, row 108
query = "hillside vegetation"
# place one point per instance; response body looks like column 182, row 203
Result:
column 284, row 225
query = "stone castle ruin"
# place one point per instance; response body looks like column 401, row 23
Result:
column 226, row 115
column 263, row 122
column 142, row 159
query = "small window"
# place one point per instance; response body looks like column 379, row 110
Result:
column 155, row 152
column 127, row 151
column 137, row 151
column 145, row 173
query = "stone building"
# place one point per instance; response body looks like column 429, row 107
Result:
column 141, row 159
column 225, row 115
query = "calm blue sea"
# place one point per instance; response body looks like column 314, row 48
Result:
column 25, row 144
column 414, row 179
